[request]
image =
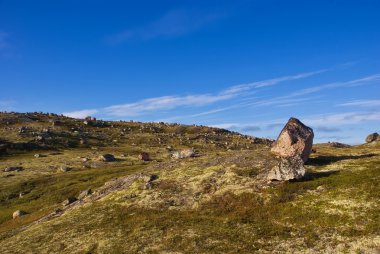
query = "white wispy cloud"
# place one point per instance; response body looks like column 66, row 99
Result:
column 271, row 82
column 172, row 24
column 158, row 104
column 81, row 113
column 365, row 103
column 342, row 118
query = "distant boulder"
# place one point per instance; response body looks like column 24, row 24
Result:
column 338, row 145
column 17, row 169
column 144, row 156
column 84, row 194
column 69, row 201
column 107, row 157
column 372, row 137
column 294, row 139
column 18, row 213
column 187, row 153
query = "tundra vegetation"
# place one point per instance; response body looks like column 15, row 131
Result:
column 90, row 186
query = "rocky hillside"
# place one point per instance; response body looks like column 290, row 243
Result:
column 90, row 186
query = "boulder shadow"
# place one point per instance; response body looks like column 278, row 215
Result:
column 309, row 176
column 326, row 160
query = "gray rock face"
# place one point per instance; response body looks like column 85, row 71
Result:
column 372, row 137
column 294, row 139
column 287, row 169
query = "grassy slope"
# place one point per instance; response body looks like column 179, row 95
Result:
column 335, row 209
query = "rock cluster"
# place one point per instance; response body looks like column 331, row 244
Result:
column 293, row 146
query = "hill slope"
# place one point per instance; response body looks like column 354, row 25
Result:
column 216, row 202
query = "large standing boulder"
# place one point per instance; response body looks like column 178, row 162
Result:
column 293, row 146
column 294, row 139
column 372, row 137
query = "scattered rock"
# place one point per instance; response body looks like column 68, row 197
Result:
column 18, row 213
column 107, row 157
column 69, row 201
column 338, row 145
column 144, row 156
column 187, row 153
column 84, row 194
column 287, row 169
column 64, row 169
column 17, row 169
column 372, row 137
column 294, row 139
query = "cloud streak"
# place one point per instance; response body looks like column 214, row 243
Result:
column 156, row 104
column 362, row 103
column 173, row 24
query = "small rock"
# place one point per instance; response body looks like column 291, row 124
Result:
column 37, row 155
column 107, row 157
column 69, row 201
column 18, row 213
column 338, row 145
column 187, row 153
column 84, row 194
column 64, row 169
column 17, row 169
column 144, row 156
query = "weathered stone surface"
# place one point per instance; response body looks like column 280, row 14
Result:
column 372, row 137
column 107, row 157
column 187, row 153
column 18, row 213
column 294, row 139
column 287, row 169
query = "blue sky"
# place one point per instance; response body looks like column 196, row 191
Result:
column 243, row 65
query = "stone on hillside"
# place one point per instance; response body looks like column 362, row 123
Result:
column 18, row 213
column 294, row 139
column 84, row 194
column 69, row 201
column 64, row 169
column 37, row 155
column 338, row 145
column 372, row 137
column 187, row 153
column 17, row 169
column 144, row 156
column 107, row 157
column 287, row 169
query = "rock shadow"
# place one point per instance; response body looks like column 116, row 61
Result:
column 326, row 160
